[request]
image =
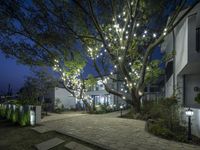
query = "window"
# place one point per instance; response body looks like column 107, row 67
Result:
column 198, row 39
column 169, row 70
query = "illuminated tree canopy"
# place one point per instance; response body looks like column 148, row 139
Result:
column 112, row 36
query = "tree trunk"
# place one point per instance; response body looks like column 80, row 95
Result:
column 87, row 105
column 136, row 103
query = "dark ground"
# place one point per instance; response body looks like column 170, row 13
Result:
column 14, row 137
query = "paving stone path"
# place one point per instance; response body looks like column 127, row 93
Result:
column 114, row 133
column 76, row 146
column 49, row 144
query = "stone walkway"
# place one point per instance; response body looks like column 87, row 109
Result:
column 114, row 133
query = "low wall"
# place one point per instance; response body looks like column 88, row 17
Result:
column 21, row 114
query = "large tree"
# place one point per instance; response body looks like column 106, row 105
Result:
column 115, row 36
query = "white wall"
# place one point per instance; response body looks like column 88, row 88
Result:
column 65, row 97
column 169, row 87
column 191, row 81
column 181, row 46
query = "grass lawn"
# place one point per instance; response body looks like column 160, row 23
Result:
column 14, row 137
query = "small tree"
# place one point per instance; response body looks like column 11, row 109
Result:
column 36, row 87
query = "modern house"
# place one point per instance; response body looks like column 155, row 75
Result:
column 61, row 97
column 183, row 69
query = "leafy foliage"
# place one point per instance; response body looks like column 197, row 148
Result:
column 118, row 36
column 197, row 98
column 163, row 119
column 24, row 118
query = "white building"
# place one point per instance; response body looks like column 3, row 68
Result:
column 61, row 97
column 183, row 70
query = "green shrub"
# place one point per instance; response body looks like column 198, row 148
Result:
column 159, row 130
column 165, row 109
column 15, row 115
column 100, row 109
column 2, row 111
column 197, row 98
column 24, row 119
column 163, row 119
column 8, row 113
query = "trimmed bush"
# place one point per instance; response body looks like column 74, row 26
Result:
column 2, row 111
column 24, row 118
column 15, row 115
column 8, row 113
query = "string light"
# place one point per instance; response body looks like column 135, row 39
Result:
column 154, row 35
column 137, row 25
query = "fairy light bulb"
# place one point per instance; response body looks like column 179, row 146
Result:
column 137, row 25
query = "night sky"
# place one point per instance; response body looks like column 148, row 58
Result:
column 12, row 72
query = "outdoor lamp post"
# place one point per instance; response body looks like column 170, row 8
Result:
column 121, row 108
column 189, row 113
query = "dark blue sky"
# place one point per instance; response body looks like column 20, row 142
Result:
column 15, row 73
column 11, row 72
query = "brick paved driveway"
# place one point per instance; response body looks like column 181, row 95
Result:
column 114, row 132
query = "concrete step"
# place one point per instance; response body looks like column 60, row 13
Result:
column 49, row 144
column 77, row 146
